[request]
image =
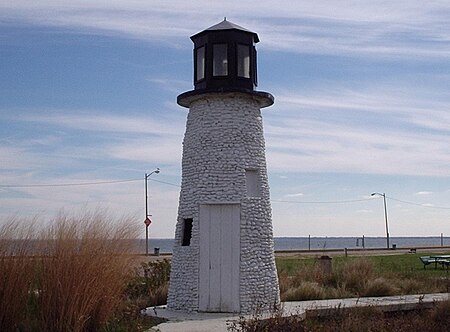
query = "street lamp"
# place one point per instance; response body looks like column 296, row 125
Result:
column 385, row 216
column 147, row 220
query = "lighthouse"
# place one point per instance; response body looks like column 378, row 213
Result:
column 223, row 257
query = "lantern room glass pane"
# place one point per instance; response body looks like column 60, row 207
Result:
column 220, row 60
column 200, row 63
column 243, row 61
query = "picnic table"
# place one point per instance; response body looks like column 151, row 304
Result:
column 444, row 260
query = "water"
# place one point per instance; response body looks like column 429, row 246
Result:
column 301, row 243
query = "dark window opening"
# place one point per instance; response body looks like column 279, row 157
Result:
column 187, row 232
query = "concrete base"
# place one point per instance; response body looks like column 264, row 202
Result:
column 207, row 322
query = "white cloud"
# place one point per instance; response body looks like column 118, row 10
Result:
column 320, row 146
column 160, row 150
column 364, row 211
column 358, row 130
column 172, row 85
column 424, row 193
column 21, row 158
column 295, row 195
column 358, row 28
column 113, row 147
column 128, row 198
column 91, row 121
column 383, row 99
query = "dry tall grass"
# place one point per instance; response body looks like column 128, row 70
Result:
column 353, row 278
column 16, row 273
column 76, row 278
column 355, row 275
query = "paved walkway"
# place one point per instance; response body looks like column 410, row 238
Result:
column 208, row 322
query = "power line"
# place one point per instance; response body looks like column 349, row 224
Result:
column 177, row 185
column 321, row 202
column 168, row 183
column 359, row 200
column 64, row 184
column 78, row 184
column 418, row 204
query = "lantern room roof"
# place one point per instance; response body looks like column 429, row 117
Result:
column 227, row 25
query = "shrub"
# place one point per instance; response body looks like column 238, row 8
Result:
column 410, row 286
column 356, row 319
column 275, row 323
column 305, row 291
column 315, row 273
column 379, row 287
column 352, row 320
column 156, row 273
column 150, row 284
column 283, row 281
column 310, row 281
column 441, row 313
column 355, row 275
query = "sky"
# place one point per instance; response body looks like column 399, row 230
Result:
column 362, row 104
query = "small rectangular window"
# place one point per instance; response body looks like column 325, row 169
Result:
column 252, row 183
column 220, row 60
column 243, row 61
column 200, row 63
column 187, row 232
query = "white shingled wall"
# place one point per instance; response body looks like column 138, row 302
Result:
column 224, row 139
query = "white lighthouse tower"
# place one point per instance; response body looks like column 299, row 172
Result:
column 223, row 259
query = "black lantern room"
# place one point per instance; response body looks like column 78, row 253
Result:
column 224, row 61
column 225, row 57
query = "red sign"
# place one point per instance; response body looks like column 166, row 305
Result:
column 147, row 221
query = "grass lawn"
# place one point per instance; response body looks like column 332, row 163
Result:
column 404, row 264
column 303, row 277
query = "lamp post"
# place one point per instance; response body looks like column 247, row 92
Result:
column 385, row 216
column 147, row 220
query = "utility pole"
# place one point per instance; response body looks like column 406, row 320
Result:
column 385, row 216
column 147, row 220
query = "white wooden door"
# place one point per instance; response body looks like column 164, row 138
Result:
column 219, row 257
